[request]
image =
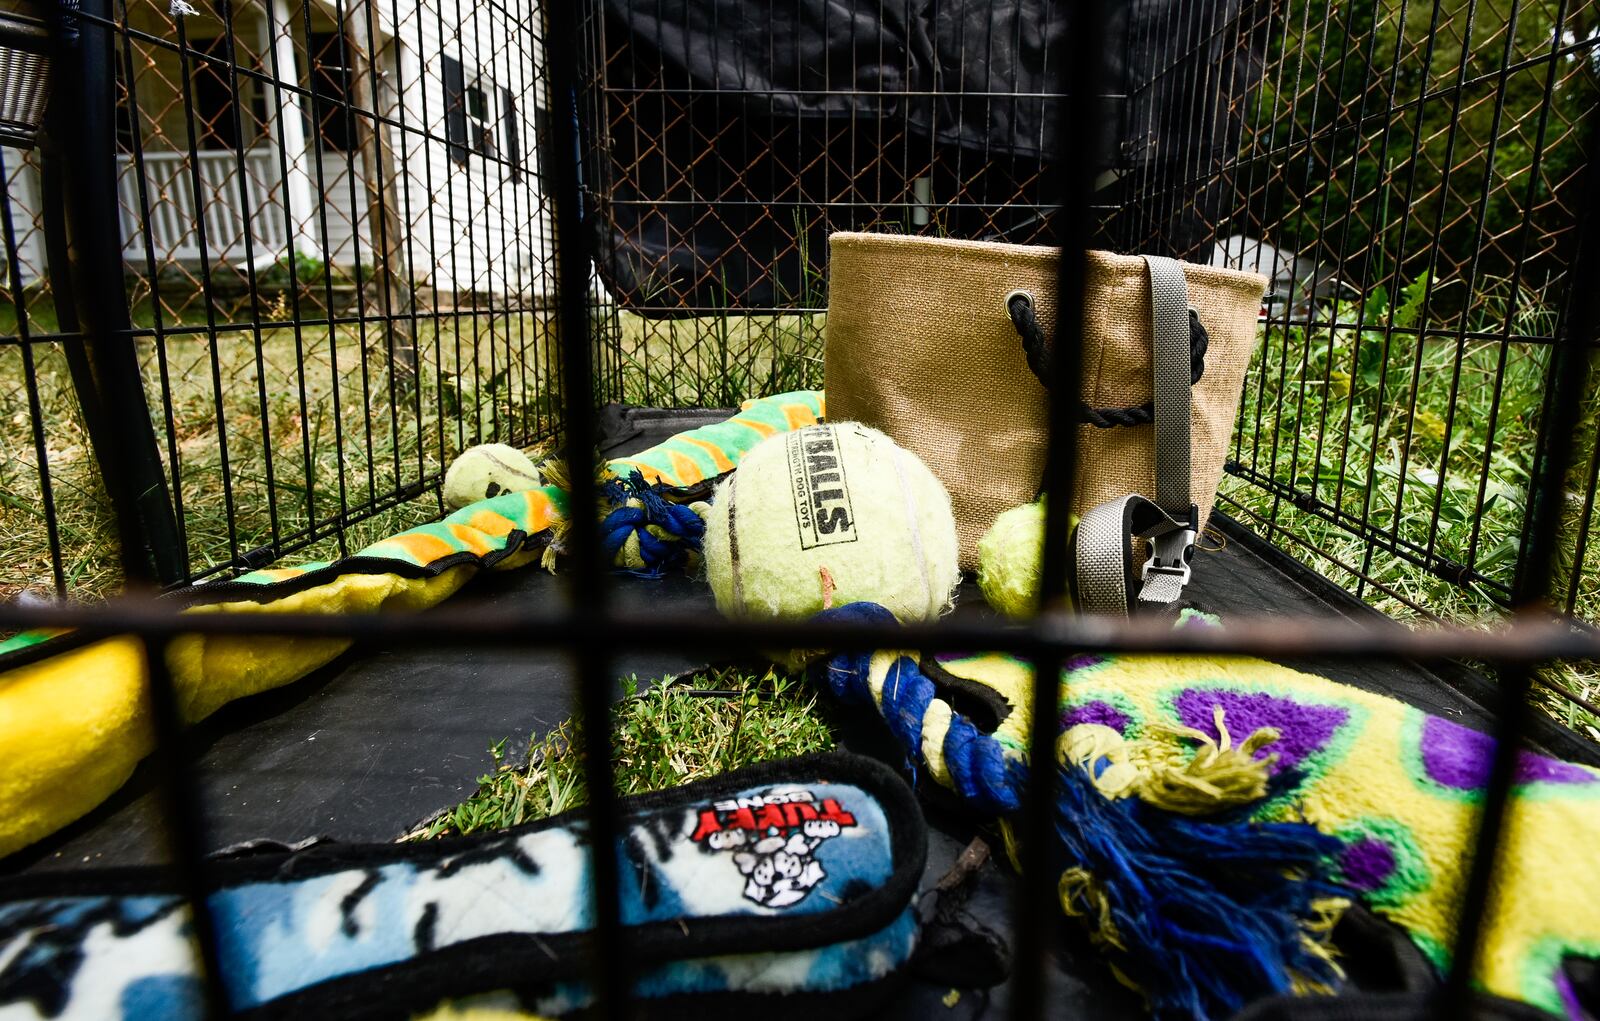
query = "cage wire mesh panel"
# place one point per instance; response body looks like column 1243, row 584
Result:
column 29, row 518
column 728, row 140
column 336, row 261
column 1406, row 174
column 399, row 354
column 1403, row 172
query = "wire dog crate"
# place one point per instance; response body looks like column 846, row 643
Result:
column 354, row 238
column 1385, row 166
column 329, row 223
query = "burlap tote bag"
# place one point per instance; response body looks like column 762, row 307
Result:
column 926, row 341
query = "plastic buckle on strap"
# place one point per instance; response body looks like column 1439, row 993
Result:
column 1170, row 552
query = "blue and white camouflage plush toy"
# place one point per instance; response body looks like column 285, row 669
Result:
column 789, row 880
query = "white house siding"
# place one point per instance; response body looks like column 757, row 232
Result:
column 466, row 227
column 22, row 208
column 471, row 227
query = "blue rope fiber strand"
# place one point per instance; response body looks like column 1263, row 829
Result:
column 1212, row 911
column 673, row 545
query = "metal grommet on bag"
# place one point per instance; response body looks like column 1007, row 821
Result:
column 1034, row 346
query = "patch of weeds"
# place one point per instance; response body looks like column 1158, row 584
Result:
column 720, row 360
column 1427, row 439
column 264, row 436
column 678, row 731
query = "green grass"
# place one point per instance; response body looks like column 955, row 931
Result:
column 1397, row 430
column 678, row 731
column 715, row 362
column 301, row 412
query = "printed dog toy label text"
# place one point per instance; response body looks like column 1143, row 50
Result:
column 774, row 839
column 821, row 495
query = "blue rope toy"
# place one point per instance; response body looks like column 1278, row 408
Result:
column 1200, row 908
column 647, row 535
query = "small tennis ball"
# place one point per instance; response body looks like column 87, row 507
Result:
column 1009, row 556
column 829, row 515
column 486, row 470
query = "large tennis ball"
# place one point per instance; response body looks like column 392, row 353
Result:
column 486, row 470
column 831, row 514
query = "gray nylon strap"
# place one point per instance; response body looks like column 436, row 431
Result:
column 1102, row 552
column 1103, row 547
column 1169, row 313
column 1161, row 590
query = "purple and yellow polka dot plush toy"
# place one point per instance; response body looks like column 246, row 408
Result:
column 1275, row 797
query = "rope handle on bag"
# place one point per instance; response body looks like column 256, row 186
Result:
column 1020, row 307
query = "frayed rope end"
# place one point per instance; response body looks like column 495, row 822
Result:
column 1202, row 915
column 645, row 534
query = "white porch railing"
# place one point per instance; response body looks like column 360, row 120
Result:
column 174, row 212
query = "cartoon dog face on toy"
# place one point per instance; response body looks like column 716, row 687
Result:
column 774, row 839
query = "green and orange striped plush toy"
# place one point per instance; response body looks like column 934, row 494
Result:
column 73, row 712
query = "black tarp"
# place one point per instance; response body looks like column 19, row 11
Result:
column 727, row 138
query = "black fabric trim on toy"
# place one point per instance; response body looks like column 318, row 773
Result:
column 1583, row 977
column 1378, row 956
column 701, row 490
column 1131, row 581
column 517, row 960
column 517, row 541
column 985, row 707
column 64, row 642
column 867, row 1000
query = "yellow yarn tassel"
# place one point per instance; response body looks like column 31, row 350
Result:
column 1082, row 897
column 1317, row 937
column 557, row 544
column 1216, row 776
column 555, row 472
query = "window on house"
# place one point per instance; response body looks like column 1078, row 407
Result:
column 455, row 107
column 480, row 118
column 330, row 92
column 218, row 124
column 480, row 123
